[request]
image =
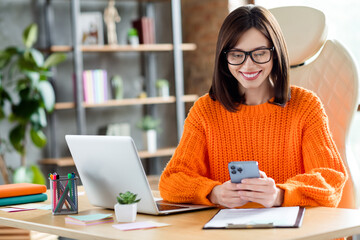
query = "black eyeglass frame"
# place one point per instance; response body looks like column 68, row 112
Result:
column 249, row 54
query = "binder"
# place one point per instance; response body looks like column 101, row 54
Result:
column 23, row 199
column 20, row 189
column 249, row 218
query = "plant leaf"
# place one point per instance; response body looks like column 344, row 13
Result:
column 54, row 59
column 30, row 35
column 38, row 137
column 47, row 94
column 37, row 57
column 34, row 77
column 38, row 119
column 23, row 174
column 26, row 64
column 38, row 176
column 16, row 136
column 25, row 109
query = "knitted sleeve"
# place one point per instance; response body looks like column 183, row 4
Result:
column 186, row 176
column 325, row 174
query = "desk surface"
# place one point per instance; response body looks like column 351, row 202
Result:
column 318, row 223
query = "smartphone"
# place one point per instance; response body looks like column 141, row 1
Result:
column 243, row 169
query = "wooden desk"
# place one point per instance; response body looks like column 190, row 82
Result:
column 318, row 223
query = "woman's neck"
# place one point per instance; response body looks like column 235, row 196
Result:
column 259, row 95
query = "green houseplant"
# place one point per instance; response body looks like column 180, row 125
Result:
column 149, row 126
column 24, row 85
column 126, row 207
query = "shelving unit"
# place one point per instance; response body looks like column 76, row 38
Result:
column 149, row 51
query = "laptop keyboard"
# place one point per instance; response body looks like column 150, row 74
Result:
column 164, row 207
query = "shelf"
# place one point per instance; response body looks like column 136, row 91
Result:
column 68, row 161
column 125, row 48
column 127, row 102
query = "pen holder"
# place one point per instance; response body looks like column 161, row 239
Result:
column 64, row 196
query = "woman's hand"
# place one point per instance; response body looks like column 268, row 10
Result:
column 260, row 190
column 227, row 195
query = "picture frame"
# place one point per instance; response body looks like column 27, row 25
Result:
column 91, row 30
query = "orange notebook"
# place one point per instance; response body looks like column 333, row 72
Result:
column 21, row 189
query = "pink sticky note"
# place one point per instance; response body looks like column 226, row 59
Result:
column 134, row 226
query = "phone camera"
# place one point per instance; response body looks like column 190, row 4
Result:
column 233, row 172
column 240, row 169
column 232, row 167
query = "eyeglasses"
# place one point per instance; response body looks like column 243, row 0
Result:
column 238, row 57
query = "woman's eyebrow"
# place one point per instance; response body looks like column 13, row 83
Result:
column 239, row 49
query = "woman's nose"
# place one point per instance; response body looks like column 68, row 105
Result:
column 248, row 61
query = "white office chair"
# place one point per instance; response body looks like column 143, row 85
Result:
column 331, row 74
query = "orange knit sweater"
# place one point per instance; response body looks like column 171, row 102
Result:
column 292, row 145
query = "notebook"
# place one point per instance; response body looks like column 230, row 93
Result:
column 108, row 165
column 21, row 189
column 23, row 199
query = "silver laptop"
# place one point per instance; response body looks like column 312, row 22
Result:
column 108, row 165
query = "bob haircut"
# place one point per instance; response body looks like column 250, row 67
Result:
column 224, row 87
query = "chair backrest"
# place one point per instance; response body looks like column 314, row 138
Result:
column 327, row 68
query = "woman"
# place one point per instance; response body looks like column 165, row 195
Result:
column 252, row 113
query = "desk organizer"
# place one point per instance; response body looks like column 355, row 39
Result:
column 64, row 196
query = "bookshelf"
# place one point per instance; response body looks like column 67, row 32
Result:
column 127, row 102
column 125, row 48
column 69, row 162
column 148, row 51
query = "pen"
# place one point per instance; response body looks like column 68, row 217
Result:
column 62, row 198
column 54, row 190
column 68, row 200
column 71, row 187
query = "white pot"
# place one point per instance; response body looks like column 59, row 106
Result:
column 163, row 92
column 149, row 138
column 125, row 212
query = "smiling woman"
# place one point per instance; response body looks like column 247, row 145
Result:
column 252, row 114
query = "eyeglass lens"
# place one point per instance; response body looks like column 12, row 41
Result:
column 237, row 57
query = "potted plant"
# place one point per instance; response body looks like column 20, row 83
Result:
column 24, row 86
column 126, row 207
column 162, row 86
column 149, row 126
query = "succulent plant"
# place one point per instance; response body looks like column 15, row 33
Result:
column 127, row 198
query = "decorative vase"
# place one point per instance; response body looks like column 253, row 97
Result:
column 149, row 138
column 125, row 212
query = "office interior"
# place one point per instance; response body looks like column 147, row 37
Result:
column 199, row 24
column 200, row 21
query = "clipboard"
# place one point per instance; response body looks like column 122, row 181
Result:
column 255, row 218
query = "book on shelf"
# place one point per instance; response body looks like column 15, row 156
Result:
column 146, row 30
column 95, row 86
column 88, row 220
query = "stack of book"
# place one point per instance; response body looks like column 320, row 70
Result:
column 95, row 86
column 19, row 193
column 146, row 30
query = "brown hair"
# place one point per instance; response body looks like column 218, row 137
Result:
column 224, row 87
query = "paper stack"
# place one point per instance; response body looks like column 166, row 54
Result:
column 19, row 193
column 88, row 220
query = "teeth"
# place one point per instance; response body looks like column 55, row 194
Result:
column 250, row 75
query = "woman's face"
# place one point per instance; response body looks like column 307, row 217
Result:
column 252, row 75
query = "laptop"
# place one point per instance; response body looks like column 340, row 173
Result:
column 108, row 165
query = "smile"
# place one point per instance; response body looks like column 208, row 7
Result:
column 250, row 75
